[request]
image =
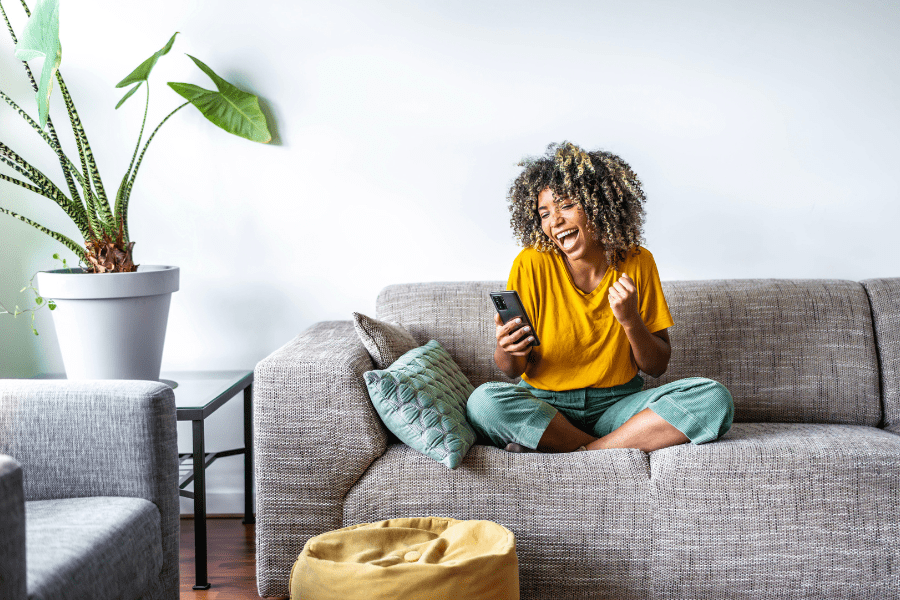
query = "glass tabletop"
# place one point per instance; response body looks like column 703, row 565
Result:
column 198, row 389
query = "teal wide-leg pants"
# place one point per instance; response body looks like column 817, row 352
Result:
column 702, row 409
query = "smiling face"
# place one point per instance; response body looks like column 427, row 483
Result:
column 566, row 224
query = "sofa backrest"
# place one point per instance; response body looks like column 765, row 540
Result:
column 459, row 315
column 788, row 350
column 884, row 296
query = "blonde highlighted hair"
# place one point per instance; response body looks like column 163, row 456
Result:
column 603, row 185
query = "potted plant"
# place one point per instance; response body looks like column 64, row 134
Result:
column 110, row 313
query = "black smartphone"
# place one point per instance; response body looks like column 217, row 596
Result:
column 509, row 306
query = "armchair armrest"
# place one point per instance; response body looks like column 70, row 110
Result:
column 316, row 432
column 12, row 529
column 97, row 438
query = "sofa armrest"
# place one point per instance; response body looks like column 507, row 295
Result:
column 97, row 438
column 12, row 529
column 315, row 433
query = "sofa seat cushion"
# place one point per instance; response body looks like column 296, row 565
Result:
column 778, row 510
column 91, row 548
column 582, row 521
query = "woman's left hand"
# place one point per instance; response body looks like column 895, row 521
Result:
column 623, row 300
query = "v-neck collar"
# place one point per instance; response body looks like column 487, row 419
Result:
column 582, row 293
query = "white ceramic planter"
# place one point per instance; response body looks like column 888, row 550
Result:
column 111, row 325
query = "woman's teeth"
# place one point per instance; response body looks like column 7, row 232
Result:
column 567, row 239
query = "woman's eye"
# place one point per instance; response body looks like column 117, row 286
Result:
column 544, row 216
column 568, row 206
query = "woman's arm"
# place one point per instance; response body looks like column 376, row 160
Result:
column 651, row 350
column 513, row 347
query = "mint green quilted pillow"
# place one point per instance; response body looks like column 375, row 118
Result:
column 421, row 398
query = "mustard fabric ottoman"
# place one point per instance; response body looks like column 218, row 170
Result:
column 429, row 558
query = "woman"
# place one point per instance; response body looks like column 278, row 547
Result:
column 594, row 297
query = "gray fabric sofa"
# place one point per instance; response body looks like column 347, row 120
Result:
column 801, row 499
column 88, row 490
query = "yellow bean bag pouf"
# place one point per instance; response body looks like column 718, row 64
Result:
column 430, row 558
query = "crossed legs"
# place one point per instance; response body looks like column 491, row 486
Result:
column 645, row 431
column 693, row 409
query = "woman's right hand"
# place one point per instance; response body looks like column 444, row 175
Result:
column 513, row 338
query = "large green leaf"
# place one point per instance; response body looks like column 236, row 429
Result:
column 40, row 39
column 142, row 73
column 233, row 110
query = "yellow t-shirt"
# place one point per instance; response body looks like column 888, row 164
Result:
column 582, row 343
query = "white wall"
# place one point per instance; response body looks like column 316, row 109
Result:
column 765, row 134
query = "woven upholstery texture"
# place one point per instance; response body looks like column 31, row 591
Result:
column 582, row 521
column 884, row 296
column 77, row 550
column 778, row 510
column 788, row 350
column 315, row 433
column 459, row 315
column 79, row 439
column 385, row 342
column 12, row 528
column 775, row 498
column 798, row 500
column 422, row 398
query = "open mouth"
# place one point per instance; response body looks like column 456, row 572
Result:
column 567, row 239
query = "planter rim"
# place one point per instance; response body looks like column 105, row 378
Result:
column 77, row 284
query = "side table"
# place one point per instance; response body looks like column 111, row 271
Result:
column 198, row 394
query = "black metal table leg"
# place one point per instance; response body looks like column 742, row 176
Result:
column 249, row 515
column 200, row 506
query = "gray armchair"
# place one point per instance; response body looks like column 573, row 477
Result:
column 88, row 490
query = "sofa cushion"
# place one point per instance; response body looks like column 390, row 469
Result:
column 884, row 296
column 778, row 510
column 422, row 400
column 459, row 315
column 582, row 520
column 384, row 341
column 789, row 350
column 94, row 548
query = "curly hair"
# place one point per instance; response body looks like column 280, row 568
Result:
column 600, row 182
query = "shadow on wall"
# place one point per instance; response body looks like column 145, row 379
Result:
column 266, row 109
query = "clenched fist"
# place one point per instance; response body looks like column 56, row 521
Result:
column 623, row 300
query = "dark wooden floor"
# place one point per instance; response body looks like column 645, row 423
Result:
column 231, row 564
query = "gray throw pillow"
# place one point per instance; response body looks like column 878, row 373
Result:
column 422, row 398
column 386, row 341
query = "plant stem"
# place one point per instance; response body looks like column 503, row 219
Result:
column 124, row 189
column 102, row 207
column 140, row 160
